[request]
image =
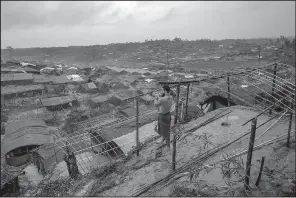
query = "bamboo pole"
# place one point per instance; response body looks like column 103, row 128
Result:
column 228, row 91
column 289, row 130
column 137, row 124
column 262, row 112
column 260, row 172
column 250, row 153
column 187, row 95
column 273, row 84
column 174, row 135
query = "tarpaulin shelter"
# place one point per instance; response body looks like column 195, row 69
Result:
column 46, row 156
column 58, row 103
column 16, row 79
column 99, row 101
column 88, row 87
column 75, row 78
column 21, row 137
column 119, row 98
column 13, row 91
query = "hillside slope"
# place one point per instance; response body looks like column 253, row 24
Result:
column 127, row 177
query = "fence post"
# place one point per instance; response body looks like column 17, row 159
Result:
column 228, row 91
column 174, row 135
column 188, row 86
column 273, row 85
column 289, row 129
column 137, row 125
column 250, row 153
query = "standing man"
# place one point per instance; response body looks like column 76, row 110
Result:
column 164, row 104
column 71, row 162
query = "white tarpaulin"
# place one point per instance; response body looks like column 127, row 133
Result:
column 75, row 78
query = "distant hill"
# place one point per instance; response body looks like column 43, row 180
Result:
column 98, row 53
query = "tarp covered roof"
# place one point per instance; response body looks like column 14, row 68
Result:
column 75, row 78
column 16, row 77
column 123, row 95
column 15, row 126
column 99, row 99
column 89, row 86
column 57, row 101
column 106, row 78
column 20, row 89
column 49, row 151
column 60, row 79
column 26, row 137
column 42, row 79
column 21, row 76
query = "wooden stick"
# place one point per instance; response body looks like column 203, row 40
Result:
column 273, row 84
column 175, row 122
column 137, row 124
column 260, row 172
column 250, row 153
column 289, row 130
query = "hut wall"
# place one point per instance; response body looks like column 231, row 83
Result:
column 17, row 160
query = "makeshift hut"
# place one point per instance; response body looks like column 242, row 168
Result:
column 71, row 70
column 60, row 80
column 75, row 78
column 46, row 156
column 119, row 98
column 59, row 103
column 147, row 99
column 21, row 137
column 106, row 78
column 88, row 87
column 12, row 70
column 119, row 85
column 123, row 72
column 12, row 91
column 99, row 101
column 102, row 87
column 55, row 90
column 16, row 79
column 42, row 79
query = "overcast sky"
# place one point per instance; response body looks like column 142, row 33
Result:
column 45, row 24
